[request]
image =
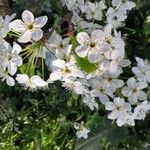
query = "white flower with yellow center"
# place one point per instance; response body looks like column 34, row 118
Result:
column 9, row 57
column 134, row 91
column 141, row 110
column 30, row 27
column 91, row 46
column 101, row 90
column 64, row 70
column 142, row 71
column 118, row 108
column 94, row 10
column 59, row 46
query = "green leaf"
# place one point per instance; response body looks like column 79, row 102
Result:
column 85, row 65
column 28, row 68
column 146, row 26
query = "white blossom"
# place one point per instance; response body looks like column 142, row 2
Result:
column 141, row 110
column 5, row 24
column 5, row 76
column 74, row 86
column 134, row 91
column 127, row 119
column 59, row 46
column 89, row 100
column 30, row 27
column 9, row 57
column 101, row 90
column 81, row 131
column 117, row 15
column 142, row 71
column 91, row 46
column 65, row 70
column 112, row 81
column 33, row 83
column 118, row 108
column 94, row 10
column 125, row 4
column 74, row 5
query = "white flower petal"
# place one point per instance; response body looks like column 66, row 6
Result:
column 41, row 21
column 81, row 51
column 116, row 2
column 25, row 37
column 10, row 81
column 37, row 34
column 12, row 68
column 22, row 78
column 38, row 81
column 110, row 106
column 142, row 95
column 83, row 38
column 59, row 63
column 113, row 115
column 18, row 25
column 16, row 48
column 131, row 82
column 104, row 99
column 55, row 76
column 27, row 17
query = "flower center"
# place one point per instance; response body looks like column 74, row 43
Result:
column 109, row 79
column 119, row 108
column 9, row 57
column 66, row 70
column 102, row 90
column 61, row 45
column 124, row 1
column 30, row 26
column 93, row 13
column 92, row 44
column 134, row 90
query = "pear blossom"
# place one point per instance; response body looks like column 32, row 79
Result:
column 112, row 81
column 5, row 24
column 59, row 46
column 101, row 90
column 94, row 10
column 30, row 27
column 33, row 83
column 65, row 70
column 118, row 108
column 74, row 86
column 74, row 5
column 80, row 24
column 9, row 57
column 5, row 76
column 125, row 4
column 83, row 133
column 117, row 60
column 116, row 14
column 89, row 100
column 141, row 110
column 142, row 71
column 134, row 91
column 126, row 119
column 91, row 46
column 81, row 130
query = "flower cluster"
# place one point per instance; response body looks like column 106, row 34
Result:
column 89, row 64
